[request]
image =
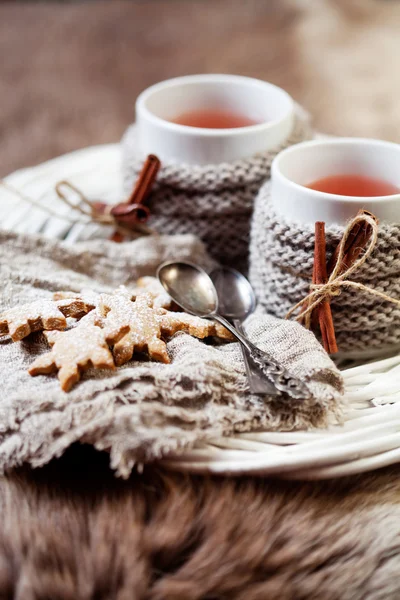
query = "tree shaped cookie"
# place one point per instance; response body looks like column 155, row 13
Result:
column 76, row 350
column 147, row 325
column 22, row 320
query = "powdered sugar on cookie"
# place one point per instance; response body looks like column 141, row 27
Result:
column 22, row 320
column 110, row 328
column 74, row 351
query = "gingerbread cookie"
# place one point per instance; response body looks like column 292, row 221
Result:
column 154, row 287
column 22, row 320
column 195, row 326
column 128, row 321
column 143, row 284
column 76, row 350
column 144, row 334
column 148, row 325
column 88, row 297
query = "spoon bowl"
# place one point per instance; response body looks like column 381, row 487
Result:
column 193, row 290
column 190, row 287
column 236, row 297
column 237, row 301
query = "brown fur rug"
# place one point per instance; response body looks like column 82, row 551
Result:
column 72, row 532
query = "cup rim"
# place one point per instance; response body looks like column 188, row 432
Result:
column 204, row 131
column 276, row 172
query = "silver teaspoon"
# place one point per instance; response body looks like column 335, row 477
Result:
column 192, row 289
column 236, row 301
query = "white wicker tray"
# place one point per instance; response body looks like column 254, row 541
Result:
column 368, row 439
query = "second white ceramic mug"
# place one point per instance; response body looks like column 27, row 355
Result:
column 298, row 166
column 268, row 104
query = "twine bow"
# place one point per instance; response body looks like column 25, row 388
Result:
column 127, row 218
column 99, row 212
column 85, row 207
column 339, row 277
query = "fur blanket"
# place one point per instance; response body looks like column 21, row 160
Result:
column 70, row 531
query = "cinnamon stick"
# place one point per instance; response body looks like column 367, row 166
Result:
column 134, row 210
column 355, row 244
column 145, row 180
column 320, row 276
column 117, row 237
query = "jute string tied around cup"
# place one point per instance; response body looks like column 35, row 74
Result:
column 339, row 278
column 365, row 269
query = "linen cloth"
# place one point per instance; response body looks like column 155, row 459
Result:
column 143, row 410
column 215, row 201
column 281, row 265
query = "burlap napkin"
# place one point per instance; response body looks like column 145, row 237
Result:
column 143, row 410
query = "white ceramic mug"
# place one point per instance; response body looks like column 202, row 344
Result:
column 300, row 165
column 263, row 102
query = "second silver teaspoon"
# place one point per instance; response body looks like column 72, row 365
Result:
column 193, row 290
column 236, row 301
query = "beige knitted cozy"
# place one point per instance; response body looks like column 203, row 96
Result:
column 214, row 202
column 281, row 264
column 145, row 409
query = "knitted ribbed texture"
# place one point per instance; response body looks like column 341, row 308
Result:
column 214, row 202
column 281, row 263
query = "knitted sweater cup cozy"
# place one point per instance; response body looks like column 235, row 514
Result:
column 214, row 202
column 281, row 264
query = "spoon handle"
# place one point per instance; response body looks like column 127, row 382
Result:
column 238, row 335
column 278, row 375
column 258, row 383
column 271, row 369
